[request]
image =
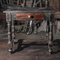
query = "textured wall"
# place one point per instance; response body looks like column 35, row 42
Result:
column 55, row 4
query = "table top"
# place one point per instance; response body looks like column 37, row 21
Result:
column 27, row 10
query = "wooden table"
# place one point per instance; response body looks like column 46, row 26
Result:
column 11, row 16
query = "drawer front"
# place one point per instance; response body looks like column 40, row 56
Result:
column 27, row 16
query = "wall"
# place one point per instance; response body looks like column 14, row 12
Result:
column 55, row 4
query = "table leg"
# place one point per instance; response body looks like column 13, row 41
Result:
column 13, row 33
column 35, row 27
column 30, row 27
column 8, row 19
column 50, row 36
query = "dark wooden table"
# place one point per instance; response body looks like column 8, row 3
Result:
column 11, row 16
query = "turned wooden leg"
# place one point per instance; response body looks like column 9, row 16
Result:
column 9, row 36
column 30, row 27
column 13, row 34
column 8, row 20
column 50, row 38
column 35, row 27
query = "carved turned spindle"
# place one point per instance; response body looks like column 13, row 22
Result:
column 8, row 19
column 50, row 34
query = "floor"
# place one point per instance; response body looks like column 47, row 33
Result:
column 34, row 47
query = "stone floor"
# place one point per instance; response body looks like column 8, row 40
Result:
column 34, row 47
column 28, row 52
